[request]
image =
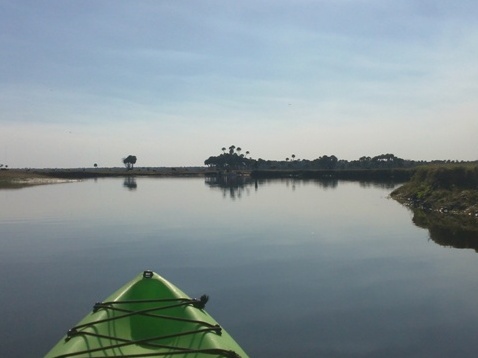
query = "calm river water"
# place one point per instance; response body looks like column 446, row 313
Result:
column 293, row 268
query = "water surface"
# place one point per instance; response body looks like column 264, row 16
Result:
column 333, row 269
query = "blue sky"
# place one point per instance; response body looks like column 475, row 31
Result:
column 173, row 82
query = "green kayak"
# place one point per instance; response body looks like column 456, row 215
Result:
column 148, row 317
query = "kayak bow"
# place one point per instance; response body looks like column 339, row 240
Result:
column 148, row 317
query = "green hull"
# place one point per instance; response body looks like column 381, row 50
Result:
column 148, row 317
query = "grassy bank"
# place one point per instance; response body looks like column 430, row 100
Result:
column 445, row 188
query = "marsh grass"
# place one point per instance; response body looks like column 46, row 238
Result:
column 446, row 188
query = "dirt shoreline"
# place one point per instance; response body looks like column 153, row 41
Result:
column 17, row 179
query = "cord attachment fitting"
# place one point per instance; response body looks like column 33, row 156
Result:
column 201, row 302
column 147, row 274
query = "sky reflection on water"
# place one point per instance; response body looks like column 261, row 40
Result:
column 292, row 267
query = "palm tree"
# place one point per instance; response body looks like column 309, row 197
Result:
column 293, row 156
column 231, row 149
column 224, row 150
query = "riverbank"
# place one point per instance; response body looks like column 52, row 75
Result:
column 398, row 175
column 17, row 178
column 448, row 189
column 20, row 178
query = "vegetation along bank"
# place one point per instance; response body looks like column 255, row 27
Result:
column 445, row 188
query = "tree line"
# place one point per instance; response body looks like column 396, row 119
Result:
column 234, row 158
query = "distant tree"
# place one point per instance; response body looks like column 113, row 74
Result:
column 329, row 162
column 95, row 165
column 210, row 161
column 293, row 156
column 231, row 160
column 387, row 161
column 129, row 161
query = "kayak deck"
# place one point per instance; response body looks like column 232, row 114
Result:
column 148, row 317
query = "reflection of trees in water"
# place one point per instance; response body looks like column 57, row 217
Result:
column 379, row 184
column 460, row 232
column 235, row 186
column 294, row 183
column 130, row 183
column 332, row 183
column 232, row 184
